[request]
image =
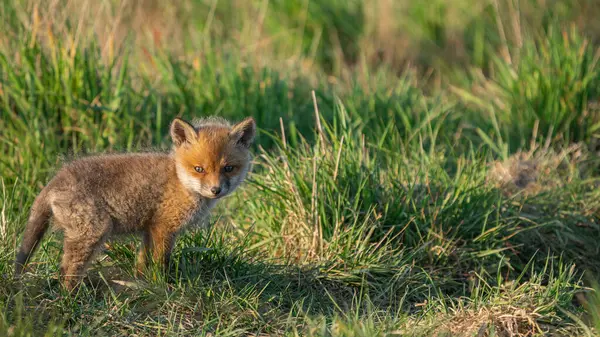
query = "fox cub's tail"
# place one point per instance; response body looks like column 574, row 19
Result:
column 36, row 227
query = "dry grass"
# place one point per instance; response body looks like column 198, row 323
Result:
column 502, row 321
column 538, row 170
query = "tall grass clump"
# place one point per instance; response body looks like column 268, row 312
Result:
column 549, row 94
column 429, row 221
column 346, row 190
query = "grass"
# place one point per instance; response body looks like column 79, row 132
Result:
column 422, row 169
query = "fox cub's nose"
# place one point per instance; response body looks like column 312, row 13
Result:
column 215, row 190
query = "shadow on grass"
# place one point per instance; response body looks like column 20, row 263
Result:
column 224, row 285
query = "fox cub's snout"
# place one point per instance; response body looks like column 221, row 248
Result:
column 154, row 194
column 213, row 160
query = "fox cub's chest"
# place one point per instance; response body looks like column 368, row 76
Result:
column 198, row 215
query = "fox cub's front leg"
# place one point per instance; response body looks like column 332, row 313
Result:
column 156, row 249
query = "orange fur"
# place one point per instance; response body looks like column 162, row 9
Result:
column 212, row 151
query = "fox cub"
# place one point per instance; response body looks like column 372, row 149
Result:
column 155, row 194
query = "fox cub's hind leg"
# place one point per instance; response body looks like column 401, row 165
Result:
column 76, row 257
column 86, row 229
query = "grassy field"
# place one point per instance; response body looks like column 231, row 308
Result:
column 423, row 168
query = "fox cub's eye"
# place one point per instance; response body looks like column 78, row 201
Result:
column 199, row 169
column 228, row 168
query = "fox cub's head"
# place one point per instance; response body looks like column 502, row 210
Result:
column 212, row 157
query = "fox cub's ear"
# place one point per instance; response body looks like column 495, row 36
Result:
column 243, row 132
column 182, row 131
